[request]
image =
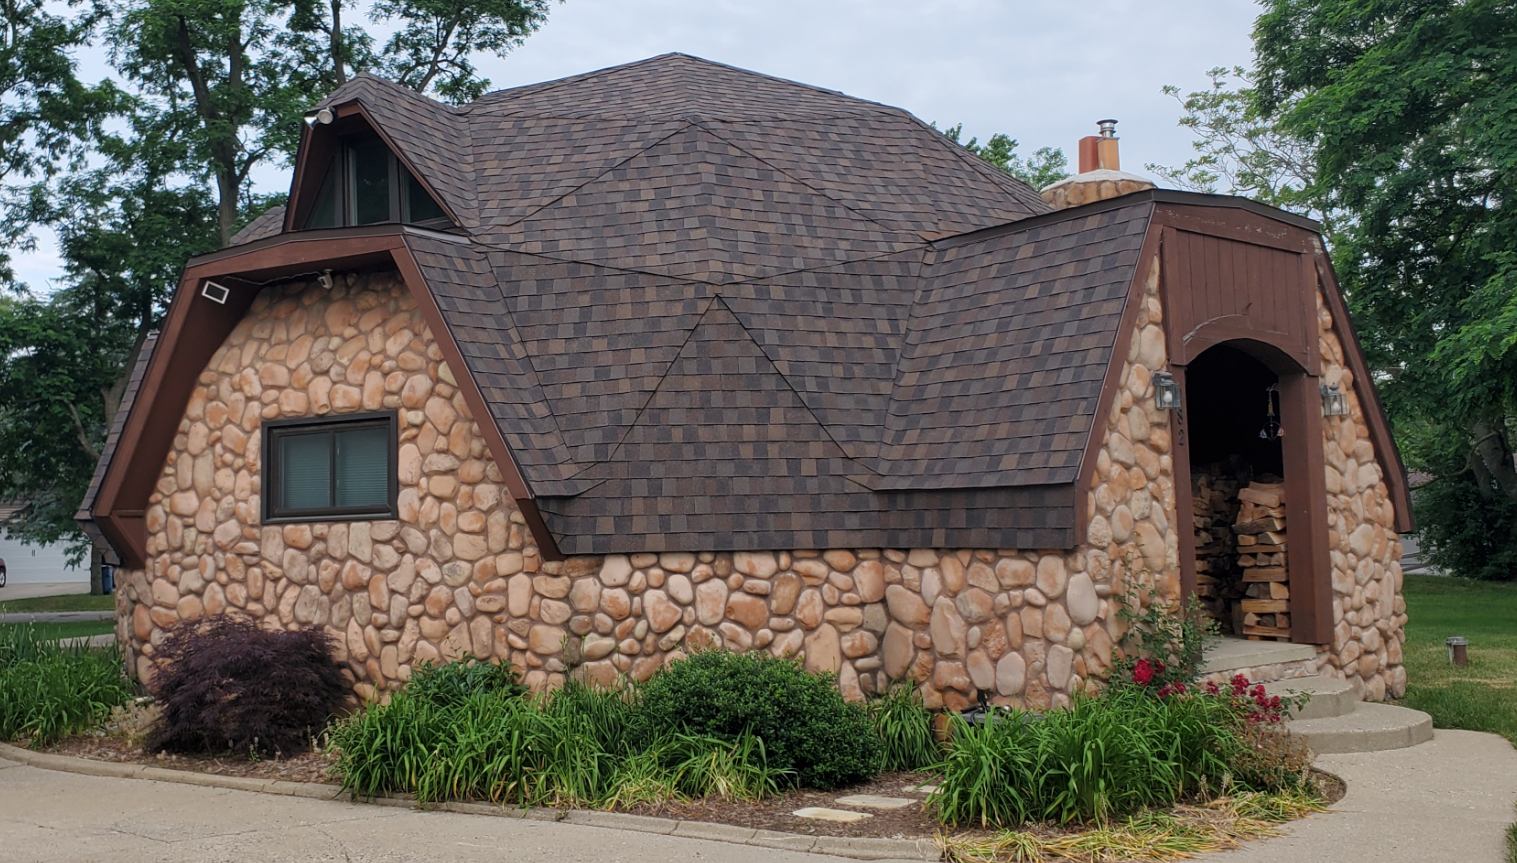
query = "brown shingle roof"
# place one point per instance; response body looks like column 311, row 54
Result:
column 704, row 309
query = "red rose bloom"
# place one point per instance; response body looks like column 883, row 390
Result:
column 1143, row 672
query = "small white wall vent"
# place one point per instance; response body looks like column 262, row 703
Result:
column 215, row 293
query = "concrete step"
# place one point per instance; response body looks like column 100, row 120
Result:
column 1370, row 727
column 1231, row 654
column 1330, row 696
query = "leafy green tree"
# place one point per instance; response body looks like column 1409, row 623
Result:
column 47, row 115
column 1045, row 166
column 1241, row 152
column 1412, row 112
column 134, row 183
column 247, row 70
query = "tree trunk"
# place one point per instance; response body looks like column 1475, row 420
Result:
column 1495, row 455
column 97, row 588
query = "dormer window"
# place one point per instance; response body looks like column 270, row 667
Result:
column 367, row 185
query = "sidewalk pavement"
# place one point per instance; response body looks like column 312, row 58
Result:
column 15, row 590
column 56, row 616
column 1448, row 800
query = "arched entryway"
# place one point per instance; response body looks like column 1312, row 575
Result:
column 1254, row 490
column 1237, row 492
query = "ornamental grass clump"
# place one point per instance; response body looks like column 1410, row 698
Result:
column 807, row 728
column 226, row 684
column 48, row 692
column 903, row 725
column 1101, row 758
column 1137, row 747
column 567, row 747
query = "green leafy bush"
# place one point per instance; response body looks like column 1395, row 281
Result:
column 48, row 692
column 904, row 726
column 1101, row 758
column 454, row 682
column 805, row 724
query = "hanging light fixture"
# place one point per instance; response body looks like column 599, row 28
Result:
column 1166, row 392
column 1334, row 403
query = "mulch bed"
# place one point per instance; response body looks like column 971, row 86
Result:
column 305, row 767
column 912, row 822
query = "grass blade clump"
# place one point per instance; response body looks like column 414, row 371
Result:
column 1101, row 758
column 48, row 692
column 904, row 726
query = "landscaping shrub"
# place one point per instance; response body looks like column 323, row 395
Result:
column 48, row 692
column 904, row 726
column 1136, row 747
column 453, row 682
column 226, row 684
column 802, row 719
column 566, row 747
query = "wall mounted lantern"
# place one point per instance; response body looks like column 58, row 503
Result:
column 1334, row 403
column 1166, row 392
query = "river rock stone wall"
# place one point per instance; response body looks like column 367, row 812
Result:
column 1369, row 614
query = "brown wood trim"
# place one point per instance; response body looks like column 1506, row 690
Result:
column 1235, row 224
column 1308, row 561
column 321, row 145
column 511, row 473
column 1369, row 400
column 1185, row 525
column 1112, row 382
column 195, row 328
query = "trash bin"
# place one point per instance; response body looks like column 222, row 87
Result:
column 107, row 579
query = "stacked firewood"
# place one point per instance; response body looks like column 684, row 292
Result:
column 1264, row 609
column 1214, row 509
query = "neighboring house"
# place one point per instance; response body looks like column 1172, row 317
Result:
column 591, row 373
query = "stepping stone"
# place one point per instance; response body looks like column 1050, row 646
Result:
column 871, row 801
column 821, row 813
column 921, row 789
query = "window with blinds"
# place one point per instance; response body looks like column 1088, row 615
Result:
column 326, row 469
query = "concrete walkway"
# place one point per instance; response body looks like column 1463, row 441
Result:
column 17, row 590
column 57, row 616
column 1448, row 800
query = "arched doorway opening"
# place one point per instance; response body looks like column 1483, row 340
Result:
column 1238, row 490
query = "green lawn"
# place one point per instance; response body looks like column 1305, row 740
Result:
column 1480, row 696
column 72, row 602
column 49, row 631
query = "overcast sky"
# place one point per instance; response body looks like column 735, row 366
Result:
column 1042, row 72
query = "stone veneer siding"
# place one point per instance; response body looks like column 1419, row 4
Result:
column 458, row 572
column 1369, row 611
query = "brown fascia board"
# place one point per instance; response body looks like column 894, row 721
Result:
column 318, row 146
column 194, row 329
column 1155, row 196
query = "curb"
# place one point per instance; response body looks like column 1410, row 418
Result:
column 838, row 846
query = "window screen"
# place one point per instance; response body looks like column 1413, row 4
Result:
column 370, row 162
column 331, row 469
